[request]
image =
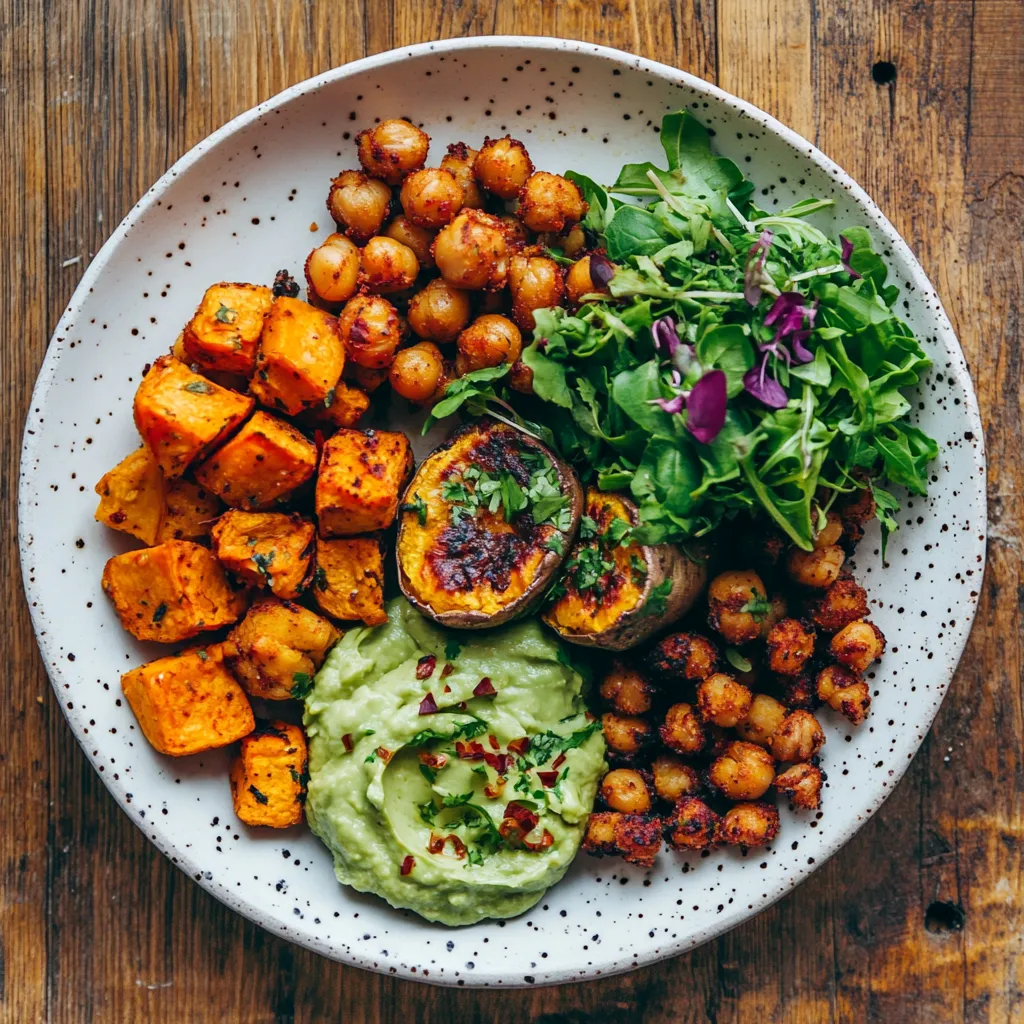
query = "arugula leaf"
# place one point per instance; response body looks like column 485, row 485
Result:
column 475, row 384
column 634, row 231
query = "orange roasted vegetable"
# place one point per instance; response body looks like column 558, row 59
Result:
column 190, row 511
column 132, row 496
column 269, row 776
column 266, row 549
column 347, row 406
column 348, row 582
column 225, row 330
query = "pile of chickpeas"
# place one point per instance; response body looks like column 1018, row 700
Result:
column 446, row 255
column 700, row 748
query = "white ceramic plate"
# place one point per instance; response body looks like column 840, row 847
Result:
column 239, row 207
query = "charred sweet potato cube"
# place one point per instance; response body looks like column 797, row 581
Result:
column 183, row 416
column 347, row 405
column 267, row 549
column 191, row 509
column 360, row 481
column 269, row 776
column 132, row 497
column 300, row 356
column 171, row 592
column 188, row 702
column 348, row 582
column 263, row 463
column 277, row 648
column 224, row 333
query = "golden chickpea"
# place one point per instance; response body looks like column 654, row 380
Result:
column 368, row 378
column 471, row 252
column 744, row 772
column 673, row 778
column 515, row 230
column 458, row 161
column 625, row 735
column 766, row 714
column 775, row 614
column 736, row 605
column 439, row 312
column 489, row 340
column 723, row 701
column 535, row 283
column 332, row 269
column 580, row 279
column 681, row 657
column 401, row 229
column 844, row 691
column 691, row 825
column 749, row 824
column 682, row 730
column 388, row 266
column 798, row 691
column 626, row 690
column 502, row 166
column 392, row 149
column 803, row 784
column 431, row 197
column 799, row 738
column 358, row 204
column 549, row 202
column 790, row 646
column 625, row 790
column 572, row 242
column 818, row 569
column 844, row 602
column 830, row 533
column 371, row 330
column 416, row 371
column 858, row 645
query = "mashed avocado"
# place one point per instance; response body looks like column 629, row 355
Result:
column 462, row 813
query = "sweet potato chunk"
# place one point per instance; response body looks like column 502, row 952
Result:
column 300, row 356
column 190, row 511
column 267, row 549
column 276, row 649
column 132, row 497
column 349, row 579
column 188, row 702
column 269, row 776
column 182, row 416
column 171, row 592
column 263, row 463
column 224, row 333
column 347, row 406
column 360, row 481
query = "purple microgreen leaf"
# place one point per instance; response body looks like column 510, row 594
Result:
column 847, row 253
column 602, row 270
column 782, row 306
column 670, row 405
column 683, row 358
column 665, row 337
column 764, row 388
column 796, row 342
column 754, row 268
column 706, row 407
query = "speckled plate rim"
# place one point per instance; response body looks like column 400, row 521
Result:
column 32, row 439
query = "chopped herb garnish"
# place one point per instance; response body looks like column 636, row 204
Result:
column 428, row 773
column 320, row 578
column 201, row 655
column 226, row 315
column 302, row 685
column 329, row 399
column 657, row 603
column 261, row 798
column 617, row 534
column 556, row 543
column 418, row 506
column 263, row 563
column 161, row 611
column 738, row 662
column 457, row 800
column 464, row 730
column 588, row 528
column 198, row 387
column 452, row 648
column 549, row 745
column 638, row 568
column 757, row 607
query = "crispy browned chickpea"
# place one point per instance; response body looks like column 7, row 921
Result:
column 358, row 204
column 535, row 283
column 803, row 784
column 818, row 568
column 626, row 690
column 775, row 613
column 691, row 825
column 744, row 771
column 798, row 691
column 549, row 202
column 572, row 242
column 830, row 533
column 682, row 731
column 515, row 230
column 392, row 149
column 766, row 714
column 624, row 789
column 682, row 656
column 752, row 824
column 790, row 646
column 844, row 691
column 332, row 269
column 722, row 701
column 388, row 266
column 799, row 737
column 502, row 166
column 520, row 378
column 369, row 379
column 431, row 197
column 489, row 340
column 401, row 229
column 737, row 603
column 625, row 735
column 458, row 161
column 416, row 371
column 854, row 512
column 471, row 252
column 439, row 312
column 673, row 778
column 844, row 602
column 371, row 330
column 634, row 837
column 858, row 645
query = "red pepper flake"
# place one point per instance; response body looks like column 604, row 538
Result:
column 428, row 706
column 547, row 779
column 520, row 746
column 448, row 669
column 545, row 841
column 462, row 705
column 458, row 846
column 589, row 717
column 347, row 740
column 499, row 762
column 447, row 689
column 493, row 740
column 435, row 761
column 408, row 864
column 435, row 844
column 493, row 789
column 558, row 761
column 485, row 688
column 384, row 754
column 469, row 751
column 425, row 667
column 521, row 814
column 318, row 440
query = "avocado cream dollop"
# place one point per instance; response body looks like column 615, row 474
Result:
column 451, row 774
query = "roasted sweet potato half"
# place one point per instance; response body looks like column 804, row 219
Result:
column 615, row 593
column 485, row 525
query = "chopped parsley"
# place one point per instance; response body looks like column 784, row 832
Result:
column 198, row 387
column 320, row 578
column 452, row 648
column 161, row 611
column 226, row 315
column 738, row 662
column 556, row 543
column 329, row 398
column 657, row 603
column 464, row 730
column 263, row 563
column 428, row 773
column 261, row 798
column 418, row 506
column 757, row 607
column 549, row 745
column 302, row 685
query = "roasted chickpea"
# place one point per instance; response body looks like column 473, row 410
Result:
column 673, row 778
column 332, row 269
column 625, row 735
column 549, row 202
column 691, row 825
column 856, row 510
column 401, row 229
column 752, row 824
column 502, row 166
column 624, row 789
column 682, row 656
column 744, row 772
column 798, row 691
column 392, row 149
column 799, row 738
column 431, row 197
column 458, row 161
column 844, row 691
column 416, row 371
column 369, row 379
column 358, row 204
column 723, row 701
column 489, row 340
column 736, row 605
column 858, row 645
column 588, row 276
column 626, row 690
column 790, row 646
column 682, row 730
column 830, row 533
column 535, row 283
column 388, row 266
column 844, row 602
column 439, row 312
column 803, row 784
column 371, row 330
column 775, row 613
column 515, row 230
column 817, row 569
column 634, row 837
column 572, row 242
column 766, row 714
column 471, row 252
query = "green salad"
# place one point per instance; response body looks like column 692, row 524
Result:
column 730, row 360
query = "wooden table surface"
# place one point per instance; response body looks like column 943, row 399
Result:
column 921, row 916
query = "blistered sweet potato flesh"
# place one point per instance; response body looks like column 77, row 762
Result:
column 348, row 582
column 225, row 331
column 268, row 777
column 267, row 549
column 132, row 497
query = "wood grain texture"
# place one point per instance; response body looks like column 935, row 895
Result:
column 98, row 97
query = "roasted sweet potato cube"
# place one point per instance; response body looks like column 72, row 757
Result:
column 182, row 416
column 360, row 481
column 277, row 648
column 171, row 592
column 191, row 510
column 188, row 702
column 348, row 581
column 269, row 776
column 347, row 406
column 224, row 333
column 262, row 464
column 267, row 549
column 132, row 496
column 300, row 356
